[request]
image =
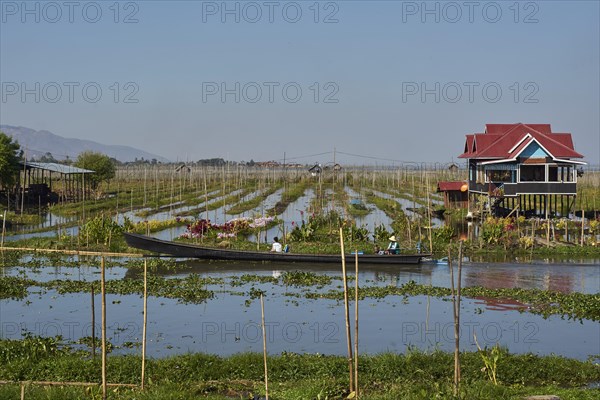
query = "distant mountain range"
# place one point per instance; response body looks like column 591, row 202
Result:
column 38, row 143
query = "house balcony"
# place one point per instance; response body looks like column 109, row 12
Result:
column 515, row 189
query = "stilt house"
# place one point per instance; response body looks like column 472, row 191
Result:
column 523, row 167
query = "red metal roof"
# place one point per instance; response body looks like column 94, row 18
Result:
column 506, row 141
column 450, row 186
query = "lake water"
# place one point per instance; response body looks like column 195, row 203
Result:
column 230, row 322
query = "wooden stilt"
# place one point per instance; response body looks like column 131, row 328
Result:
column 547, row 223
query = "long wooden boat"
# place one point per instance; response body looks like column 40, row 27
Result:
column 185, row 250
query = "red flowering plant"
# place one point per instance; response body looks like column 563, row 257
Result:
column 203, row 228
column 197, row 229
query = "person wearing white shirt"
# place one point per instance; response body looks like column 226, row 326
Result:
column 276, row 247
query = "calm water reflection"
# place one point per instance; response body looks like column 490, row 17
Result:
column 230, row 322
column 573, row 276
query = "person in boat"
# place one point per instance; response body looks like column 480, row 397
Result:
column 393, row 247
column 276, row 247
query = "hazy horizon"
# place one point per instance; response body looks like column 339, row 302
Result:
column 378, row 81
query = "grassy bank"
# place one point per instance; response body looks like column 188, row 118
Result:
column 413, row 375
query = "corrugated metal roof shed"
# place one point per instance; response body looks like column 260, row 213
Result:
column 59, row 168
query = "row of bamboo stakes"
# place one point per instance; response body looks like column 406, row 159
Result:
column 352, row 359
column 352, row 356
column 104, row 383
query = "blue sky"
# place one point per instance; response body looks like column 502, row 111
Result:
column 390, row 79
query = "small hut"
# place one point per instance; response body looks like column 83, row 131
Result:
column 456, row 194
column 52, row 182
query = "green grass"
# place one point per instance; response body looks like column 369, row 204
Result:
column 413, row 375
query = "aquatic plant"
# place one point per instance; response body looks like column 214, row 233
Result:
column 354, row 233
column 304, row 278
column 12, row 287
column 490, row 359
column 380, row 233
column 444, row 233
column 100, row 230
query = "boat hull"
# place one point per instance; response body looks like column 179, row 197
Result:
column 184, row 250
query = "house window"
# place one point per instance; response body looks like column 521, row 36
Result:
column 499, row 176
column 553, row 174
column 533, row 173
column 480, row 175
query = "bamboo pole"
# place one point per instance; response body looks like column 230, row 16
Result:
column 52, row 383
column 409, row 234
column 145, row 322
column 74, row 252
column 22, row 391
column 427, row 308
column 582, row 223
column 24, row 177
column 103, row 289
column 3, row 228
column 205, row 198
column 457, row 338
column 456, row 314
column 83, row 196
column 346, row 311
column 144, row 187
column 356, row 323
column 93, row 324
column 450, row 266
column 429, row 216
column 264, row 335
